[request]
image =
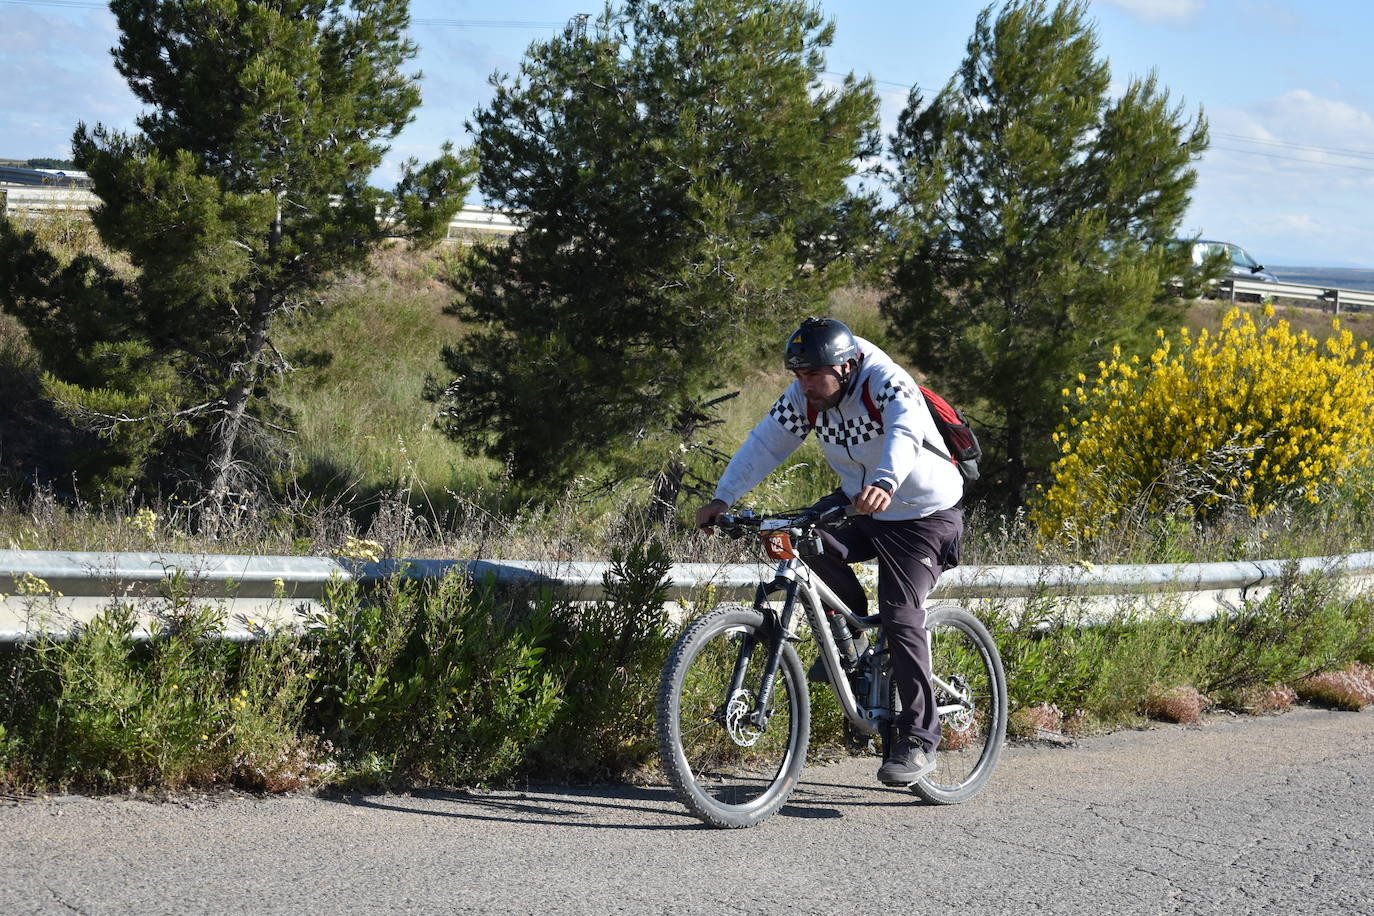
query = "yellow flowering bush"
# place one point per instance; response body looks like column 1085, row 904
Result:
column 1251, row 417
column 355, row 548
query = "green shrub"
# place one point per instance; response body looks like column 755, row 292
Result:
column 429, row 683
column 1116, row 670
column 182, row 707
column 608, row 656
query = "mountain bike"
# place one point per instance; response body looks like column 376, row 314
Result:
column 733, row 711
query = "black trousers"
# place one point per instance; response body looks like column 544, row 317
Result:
column 911, row 555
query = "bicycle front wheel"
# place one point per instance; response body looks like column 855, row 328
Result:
column 971, row 691
column 731, row 764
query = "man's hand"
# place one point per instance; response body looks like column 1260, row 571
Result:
column 706, row 515
column 872, row 499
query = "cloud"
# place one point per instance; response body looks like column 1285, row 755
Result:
column 62, row 61
column 1300, row 134
column 1158, row 10
column 1291, row 178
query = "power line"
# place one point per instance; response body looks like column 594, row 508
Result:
column 905, row 86
column 490, row 23
column 1331, row 150
column 1334, row 165
column 550, row 24
column 75, row 4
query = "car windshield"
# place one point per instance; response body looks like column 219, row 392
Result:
column 1241, row 258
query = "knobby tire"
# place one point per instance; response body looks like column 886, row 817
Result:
column 723, row 769
column 963, row 654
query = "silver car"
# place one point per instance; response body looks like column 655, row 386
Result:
column 1242, row 265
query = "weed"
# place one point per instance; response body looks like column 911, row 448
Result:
column 608, row 656
column 1351, row 688
column 1183, row 705
column 428, row 682
column 1034, row 721
column 1263, row 701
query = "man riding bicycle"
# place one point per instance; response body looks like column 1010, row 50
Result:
column 878, row 436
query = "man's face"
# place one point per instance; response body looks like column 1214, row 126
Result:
column 822, row 387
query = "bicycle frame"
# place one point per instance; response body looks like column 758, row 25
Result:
column 796, row 579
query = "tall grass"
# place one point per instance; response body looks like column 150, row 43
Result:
column 452, row 682
column 362, row 426
column 416, row 682
column 1115, row 672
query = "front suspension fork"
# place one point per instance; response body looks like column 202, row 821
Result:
column 777, row 626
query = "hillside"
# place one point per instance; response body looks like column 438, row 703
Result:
column 362, row 431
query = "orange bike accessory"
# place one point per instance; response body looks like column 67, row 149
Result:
column 778, row 545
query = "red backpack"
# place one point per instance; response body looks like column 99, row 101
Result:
column 961, row 445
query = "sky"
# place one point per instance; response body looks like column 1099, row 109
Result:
column 1287, row 87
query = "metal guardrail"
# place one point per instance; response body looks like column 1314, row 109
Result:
column 1348, row 299
column 55, row 592
column 31, row 201
column 55, row 178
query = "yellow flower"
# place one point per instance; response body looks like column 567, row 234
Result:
column 1265, row 414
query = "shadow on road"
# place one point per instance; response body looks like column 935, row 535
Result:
column 614, row 807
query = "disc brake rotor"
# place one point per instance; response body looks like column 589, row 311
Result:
column 962, row 719
column 742, row 731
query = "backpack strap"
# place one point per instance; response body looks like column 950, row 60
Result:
column 949, row 458
column 876, row 416
column 873, row 413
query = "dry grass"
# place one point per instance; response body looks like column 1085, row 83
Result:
column 1036, row 721
column 1183, row 705
column 1268, row 701
column 1351, row 689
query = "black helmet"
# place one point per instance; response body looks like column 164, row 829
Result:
column 820, row 342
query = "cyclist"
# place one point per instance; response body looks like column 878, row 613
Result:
column 872, row 422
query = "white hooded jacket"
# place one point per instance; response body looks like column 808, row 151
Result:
column 866, row 443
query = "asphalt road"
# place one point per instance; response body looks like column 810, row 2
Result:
column 1270, row 815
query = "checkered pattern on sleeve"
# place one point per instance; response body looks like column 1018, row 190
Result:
column 787, row 415
column 894, row 389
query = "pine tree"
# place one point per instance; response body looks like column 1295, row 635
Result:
column 244, row 187
column 680, row 169
column 1035, row 215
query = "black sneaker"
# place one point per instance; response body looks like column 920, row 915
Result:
column 907, row 763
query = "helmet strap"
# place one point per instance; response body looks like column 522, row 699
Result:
column 847, row 376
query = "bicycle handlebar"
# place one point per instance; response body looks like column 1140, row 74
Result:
column 737, row 525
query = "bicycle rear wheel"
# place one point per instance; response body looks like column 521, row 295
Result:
column 726, row 767
column 971, row 690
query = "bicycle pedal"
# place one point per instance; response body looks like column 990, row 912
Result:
column 858, row 743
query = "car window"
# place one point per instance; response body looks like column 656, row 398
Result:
column 1241, row 258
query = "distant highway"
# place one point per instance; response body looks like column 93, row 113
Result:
column 1338, row 277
